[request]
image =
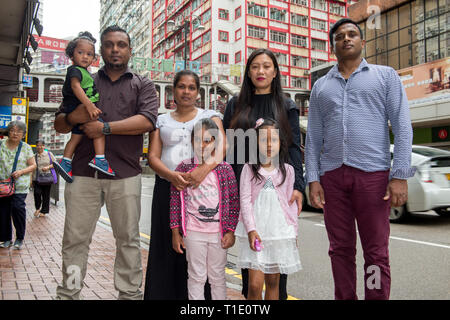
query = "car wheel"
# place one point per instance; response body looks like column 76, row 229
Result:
column 398, row 214
column 443, row 212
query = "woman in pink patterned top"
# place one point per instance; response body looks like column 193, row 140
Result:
column 203, row 220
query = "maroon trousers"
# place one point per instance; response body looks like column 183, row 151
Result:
column 352, row 194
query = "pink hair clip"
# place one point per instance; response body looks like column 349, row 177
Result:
column 259, row 122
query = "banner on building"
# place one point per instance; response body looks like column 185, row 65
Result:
column 428, row 81
column 167, row 65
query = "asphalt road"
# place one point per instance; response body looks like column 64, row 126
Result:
column 419, row 255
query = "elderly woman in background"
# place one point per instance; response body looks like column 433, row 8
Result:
column 14, row 206
column 44, row 161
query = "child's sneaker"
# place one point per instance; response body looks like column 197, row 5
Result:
column 102, row 165
column 64, row 169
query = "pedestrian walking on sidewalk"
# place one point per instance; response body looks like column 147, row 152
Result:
column 348, row 162
column 203, row 220
column 170, row 144
column 43, row 178
column 16, row 161
column 262, row 96
column 129, row 106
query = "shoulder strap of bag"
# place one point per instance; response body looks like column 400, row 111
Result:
column 51, row 162
column 17, row 156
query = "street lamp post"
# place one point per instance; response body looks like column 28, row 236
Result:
column 185, row 26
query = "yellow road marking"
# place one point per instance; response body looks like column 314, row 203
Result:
column 227, row 270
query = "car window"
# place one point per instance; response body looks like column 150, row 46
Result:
column 430, row 152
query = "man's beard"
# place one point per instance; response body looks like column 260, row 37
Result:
column 116, row 66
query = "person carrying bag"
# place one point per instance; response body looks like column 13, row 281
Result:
column 43, row 178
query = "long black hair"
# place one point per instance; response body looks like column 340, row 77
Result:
column 86, row 35
column 241, row 118
column 283, row 156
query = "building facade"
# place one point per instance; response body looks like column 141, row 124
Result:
column 296, row 30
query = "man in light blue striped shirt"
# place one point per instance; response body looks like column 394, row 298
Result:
column 348, row 163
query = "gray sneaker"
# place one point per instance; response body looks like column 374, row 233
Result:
column 5, row 244
column 18, row 244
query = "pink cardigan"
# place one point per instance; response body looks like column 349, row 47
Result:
column 250, row 188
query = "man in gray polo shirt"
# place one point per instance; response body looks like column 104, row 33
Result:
column 130, row 106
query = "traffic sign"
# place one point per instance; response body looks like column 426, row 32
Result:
column 27, row 81
column 19, row 101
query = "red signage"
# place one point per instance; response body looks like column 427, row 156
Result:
column 51, row 43
column 442, row 134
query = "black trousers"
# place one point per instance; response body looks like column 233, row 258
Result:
column 42, row 197
column 166, row 276
column 13, row 207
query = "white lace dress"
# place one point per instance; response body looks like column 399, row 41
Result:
column 279, row 253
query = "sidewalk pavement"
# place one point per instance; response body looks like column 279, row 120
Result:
column 34, row 272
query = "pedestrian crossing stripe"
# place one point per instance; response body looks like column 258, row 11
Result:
column 227, row 270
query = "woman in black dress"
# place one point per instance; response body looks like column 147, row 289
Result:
column 261, row 96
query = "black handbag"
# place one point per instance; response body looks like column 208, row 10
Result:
column 44, row 178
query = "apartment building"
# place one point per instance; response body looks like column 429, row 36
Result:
column 221, row 34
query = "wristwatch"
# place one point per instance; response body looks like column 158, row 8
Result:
column 106, row 129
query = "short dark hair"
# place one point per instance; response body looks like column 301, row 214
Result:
column 73, row 43
column 340, row 23
column 40, row 141
column 114, row 28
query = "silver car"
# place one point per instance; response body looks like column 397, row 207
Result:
column 429, row 188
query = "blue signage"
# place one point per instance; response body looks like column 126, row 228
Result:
column 5, row 116
column 27, row 81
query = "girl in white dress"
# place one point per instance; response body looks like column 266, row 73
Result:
column 266, row 216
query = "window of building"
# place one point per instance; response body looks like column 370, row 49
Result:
column 237, row 34
column 319, row 24
column 196, row 4
column 278, row 36
column 414, row 33
column 223, row 35
column 319, row 4
column 257, row 10
column 278, row 14
column 281, row 58
column 206, row 37
column 223, row 57
column 299, row 61
column 319, row 44
column 237, row 57
column 300, row 2
column 256, row 32
column 317, row 62
column 337, row 9
column 237, row 12
column 299, row 82
column 299, row 20
column 223, row 14
column 197, row 43
column 298, row 40
column 206, row 16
